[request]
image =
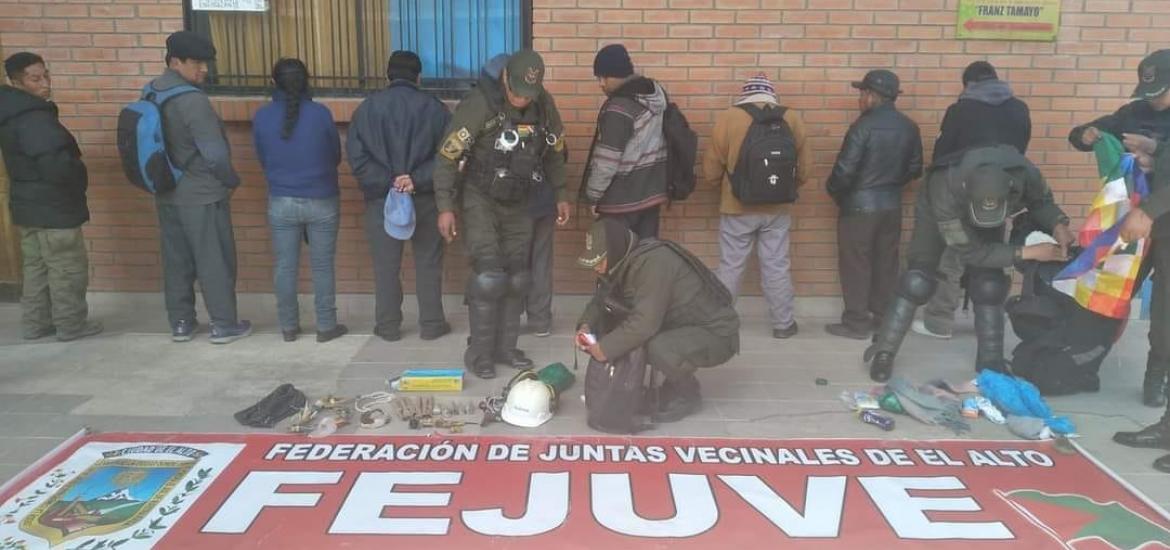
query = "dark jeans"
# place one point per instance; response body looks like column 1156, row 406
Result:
column 538, row 303
column 291, row 219
column 198, row 244
column 867, row 255
column 644, row 223
column 427, row 246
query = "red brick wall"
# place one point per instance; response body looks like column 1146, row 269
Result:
column 101, row 52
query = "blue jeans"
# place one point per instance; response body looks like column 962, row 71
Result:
column 293, row 219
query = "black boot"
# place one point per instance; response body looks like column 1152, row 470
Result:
column 1156, row 436
column 1154, row 383
column 881, row 364
column 682, row 401
column 508, row 332
column 482, row 316
column 888, row 338
column 989, row 330
column 1162, row 464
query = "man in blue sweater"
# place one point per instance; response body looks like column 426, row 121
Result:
column 393, row 137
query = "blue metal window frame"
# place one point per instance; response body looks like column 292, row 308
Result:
column 439, row 52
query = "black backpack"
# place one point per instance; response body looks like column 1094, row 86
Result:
column 682, row 152
column 1062, row 344
column 766, row 170
column 617, row 394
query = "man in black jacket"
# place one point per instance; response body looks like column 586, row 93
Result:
column 392, row 141
column 881, row 154
column 47, row 203
column 987, row 113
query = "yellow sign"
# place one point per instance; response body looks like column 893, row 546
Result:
column 1008, row 19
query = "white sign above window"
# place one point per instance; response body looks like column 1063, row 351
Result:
column 229, row 5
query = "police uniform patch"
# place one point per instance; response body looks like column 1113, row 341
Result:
column 456, row 144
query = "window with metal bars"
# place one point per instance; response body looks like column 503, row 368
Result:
column 346, row 43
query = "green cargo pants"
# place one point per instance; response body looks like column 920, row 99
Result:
column 498, row 235
column 56, row 275
column 676, row 353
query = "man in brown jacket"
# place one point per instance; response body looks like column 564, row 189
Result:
column 764, row 222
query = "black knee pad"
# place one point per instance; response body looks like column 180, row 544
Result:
column 520, row 283
column 917, row 286
column 988, row 288
column 489, row 285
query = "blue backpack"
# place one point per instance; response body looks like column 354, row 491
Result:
column 142, row 145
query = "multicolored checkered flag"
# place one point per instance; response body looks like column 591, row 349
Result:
column 1103, row 277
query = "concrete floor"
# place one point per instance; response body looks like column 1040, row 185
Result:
column 133, row 378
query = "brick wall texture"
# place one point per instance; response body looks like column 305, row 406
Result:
column 102, row 52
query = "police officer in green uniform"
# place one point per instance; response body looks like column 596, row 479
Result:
column 504, row 139
column 965, row 204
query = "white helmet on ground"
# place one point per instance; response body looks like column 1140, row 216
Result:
column 529, row 404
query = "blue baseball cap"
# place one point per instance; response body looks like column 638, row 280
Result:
column 398, row 215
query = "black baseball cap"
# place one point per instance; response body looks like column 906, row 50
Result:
column 883, row 82
column 190, row 45
column 1153, row 75
column 988, row 187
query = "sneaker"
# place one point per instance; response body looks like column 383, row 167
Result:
column 290, row 335
column 783, row 333
column 184, row 330
column 436, row 332
column 336, row 332
column 919, row 326
column 845, row 331
column 90, row 328
column 542, row 332
column 40, row 333
column 230, row 333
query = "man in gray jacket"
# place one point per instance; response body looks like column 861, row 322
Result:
column 195, row 223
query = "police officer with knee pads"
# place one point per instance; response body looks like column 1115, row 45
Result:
column 964, row 203
column 504, row 139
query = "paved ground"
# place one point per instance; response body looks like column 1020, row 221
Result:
column 133, row 378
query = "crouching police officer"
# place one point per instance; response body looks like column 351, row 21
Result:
column 503, row 140
column 654, row 293
column 964, row 204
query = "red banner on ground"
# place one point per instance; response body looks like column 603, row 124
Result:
column 278, row 491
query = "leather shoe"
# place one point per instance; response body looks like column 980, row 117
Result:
column 846, row 331
column 1154, row 391
column 881, row 364
column 388, row 334
column 786, row 332
column 513, row 358
column 1156, row 436
column 1162, row 464
column 290, row 335
column 337, row 331
column 436, row 332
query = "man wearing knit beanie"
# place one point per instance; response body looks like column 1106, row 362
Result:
column 765, row 223
column 626, row 175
